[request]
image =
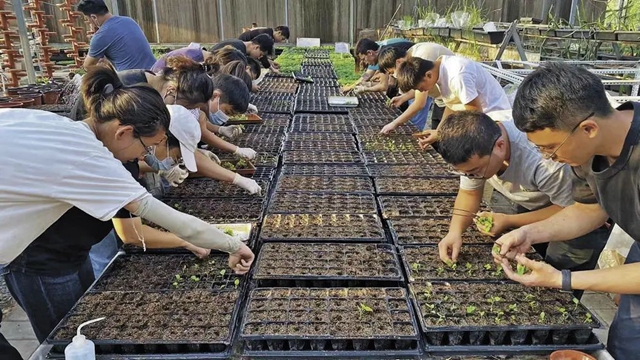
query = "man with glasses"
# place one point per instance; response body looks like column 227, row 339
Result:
column 564, row 110
column 500, row 154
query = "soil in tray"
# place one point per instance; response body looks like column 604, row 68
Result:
column 325, row 170
column 302, row 203
column 240, row 166
column 422, row 170
column 281, row 260
column 275, row 120
column 168, row 272
column 264, row 129
column 429, row 206
column 402, row 157
column 498, row 305
column 202, row 188
column 320, row 145
column 215, row 210
column 259, row 138
column 278, row 87
column 377, row 123
column 266, row 159
column 318, row 91
column 313, row 128
column 340, row 184
column 323, row 119
column 425, row 186
column 374, row 112
column 419, row 231
column 372, row 129
column 319, row 226
column 321, row 82
column 388, row 143
column 475, row 262
column 315, row 104
column 321, row 157
column 167, row 317
column 328, row 137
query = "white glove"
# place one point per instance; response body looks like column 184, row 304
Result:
column 248, row 184
column 175, row 176
column 246, row 153
column 210, row 155
column 230, row 131
column 252, row 109
column 360, row 89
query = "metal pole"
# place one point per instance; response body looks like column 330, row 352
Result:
column 24, row 41
column 155, row 20
column 220, row 20
column 114, row 7
column 572, row 14
column 352, row 22
column 286, row 12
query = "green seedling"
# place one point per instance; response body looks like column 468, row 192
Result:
column 499, row 316
column 222, row 286
column 542, row 316
column 521, row 269
column 440, row 271
column 445, row 298
column 212, row 262
column 451, row 264
column 533, row 304
column 175, row 284
column 229, row 232
column 588, row 319
column 487, row 266
column 178, row 277
column 416, row 266
column 471, row 309
column 576, row 302
column 194, row 278
column 512, row 308
column 223, row 271
column 236, row 282
column 196, row 266
column 494, row 300
column 482, row 314
column 498, row 271
column 564, row 312
column 431, row 307
column 453, row 307
column 486, row 223
column 363, row 309
column 529, row 297
column 441, row 318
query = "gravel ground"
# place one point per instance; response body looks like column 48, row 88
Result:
column 6, row 302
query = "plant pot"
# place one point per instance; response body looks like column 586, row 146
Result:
column 444, row 32
column 605, row 35
column 9, row 105
column 548, row 32
column 570, row 355
column 51, row 96
column 37, row 97
column 633, row 36
column 582, row 34
column 468, row 35
column 455, row 33
column 5, row 99
column 566, row 33
column 26, row 102
column 492, row 37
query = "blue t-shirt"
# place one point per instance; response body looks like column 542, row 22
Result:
column 122, row 42
column 388, row 42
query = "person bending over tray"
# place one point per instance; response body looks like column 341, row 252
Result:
column 500, row 154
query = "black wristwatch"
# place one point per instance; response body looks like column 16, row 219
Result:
column 566, row 280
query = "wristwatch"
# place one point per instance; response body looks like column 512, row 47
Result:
column 566, row 280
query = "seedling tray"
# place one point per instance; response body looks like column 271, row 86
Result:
column 319, row 92
column 419, row 231
column 402, row 157
column 375, row 129
column 322, row 227
column 221, row 210
column 302, row 203
column 378, row 122
column 373, row 98
column 316, row 62
column 308, row 104
column 319, row 72
column 274, row 103
column 325, row 184
column 475, row 263
column 260, row 138
column 263, row 173
column 411, row 171
column 320, row 265
column 315, row 128
column 321, row 82
column 476, row 315
column 240, row 166
column 349, row 146
column 325, row 170
column 373, row 112
column 322, row 321
column 316, row 54
column 323, row 157
column 278, row 87
column 276, row 119
column 267, row 159
column 379, row 142
column 327, row 137
column 416, row 206
column 245, row 119
column 417, row 186
column 321, row 119
column 206, row 188
column 264, row 129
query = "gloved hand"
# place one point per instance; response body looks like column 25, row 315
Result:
column 175, row 176
column 246, row 153
column 210, row 155
column 252, row 109
column 230, row 131
column 359, row 90
column 248, row 184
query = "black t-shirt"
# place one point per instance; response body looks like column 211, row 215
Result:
column 250, row 34
column 617, row 186
column 404, row 45
column 65, row 245
column 238, row 44
column 132, row 77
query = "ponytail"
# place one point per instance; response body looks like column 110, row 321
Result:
column 239, row 70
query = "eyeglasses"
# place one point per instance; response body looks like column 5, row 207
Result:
column 548, row 156
column 149, row 149
column 484, row 174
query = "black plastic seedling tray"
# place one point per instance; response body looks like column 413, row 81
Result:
column 417, row 186
column 373, row 112
column 322, row 228
column 429, row 231
column 267, row 159
column 337, row 326
column 298, row 127
column 324, row 184
column 402, row 157
column 326, row 137
column 327, row 265
column 264, row 129
column 319, row 91
column 208, row 188
column 410, row 171
column 375, row 128
column 263, row 173
column 375, row 98
column 303, row 203
column 321, row 82
column 416, row 206
column 296, row 145
column 322, row 157
column 278, row 87
column 316, row 62
column 378, row 142
column 325, row 170
column 275, row 119
column 273, row 103
column 378, row 121
column 311, row 104
column 321, row 119
column 316, row 54
column 319, row 72
column 221, row 210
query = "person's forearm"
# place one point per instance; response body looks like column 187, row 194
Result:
column 466, row 205
column 145, row 168
column 208, row 168
column 569, row 223
column 622, row 279
column 408, row 114
column 383, row 85
column 446, row 113
column 214, row 128
column 520, row 220
column 156, row 239
column 214, row 141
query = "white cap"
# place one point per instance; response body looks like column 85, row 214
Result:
column 185, row 127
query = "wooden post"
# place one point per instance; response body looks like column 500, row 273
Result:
column 24, row 41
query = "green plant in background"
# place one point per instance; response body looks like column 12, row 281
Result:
column 344, row 66
column 408, row 21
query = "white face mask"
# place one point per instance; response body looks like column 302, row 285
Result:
column 219, row 115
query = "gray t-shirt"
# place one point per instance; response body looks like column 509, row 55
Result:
column 122, row 42
column 617, row 186
column 530, row 180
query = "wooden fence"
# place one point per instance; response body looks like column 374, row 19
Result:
column 207, row 21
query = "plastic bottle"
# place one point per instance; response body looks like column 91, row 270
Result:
column 81, row 348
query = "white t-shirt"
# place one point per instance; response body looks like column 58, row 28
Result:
column 429, row 51
column 530, row 180
column 461, row 80
column 49, row 164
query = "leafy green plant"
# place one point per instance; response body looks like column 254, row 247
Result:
column 416, row 266
column 194, row 278
column 229, row 232
column 363, row 309
column 563, row 312
column 588, row 318
column 576, row 303
column 499, row 316
column 512, row 308
column 521, row 269
column 236, row 282
column 471, row 309
column 542, row 317
column 223, row 271
column 487, row 266
column 493, row 300
column 486, row 223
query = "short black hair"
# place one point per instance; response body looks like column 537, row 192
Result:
column 411, row 72
column 237, row 69
column 92, row 7
column 234, row 92
column 365, row 45
column 466, row 133
column 255, row 66
column 265, row 41
column 557, row 96
column 388, row 56
column 284, row 30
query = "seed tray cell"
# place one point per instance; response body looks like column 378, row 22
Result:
column 475, row 262
column 349, row 146
column 316, row 62
column 263, row 173
column 375, row 112
column 378, row 98
column 480, row 315
column 323, row 157
column 286, row 80
column 274, row 103
column 379, row 142
column 301, row 203
column 378, row 122
column 375, row 129
column 411, row 171
column 333, row 184
column 307, row 104
column 264, row 129
column 419, row 231
column 316, row 54
column 416, row 206
column 260, row 138
column 327, row 320
column 266, row 159
column 321, row 119
column 328, row 137
column 325, row 170
column 221, row 210
column 291, row 264
column 417, row 186
column 314, row 128
column 319, row 72
column 275, row 119
column 278, row 87
column 320, row 82
column 209, row 188
column 319, row 91
column 402, row 157
column 322, row 227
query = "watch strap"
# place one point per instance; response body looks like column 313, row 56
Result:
column 566, row 280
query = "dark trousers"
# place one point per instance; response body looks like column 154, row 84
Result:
column 624, row 334
column 7, row 352
column 47, row 299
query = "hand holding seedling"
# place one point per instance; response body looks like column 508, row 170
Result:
column 388, row 128
column 427, row 138
column 512, row 244
column 241, row 260
column 450, row 244
column 541, row 274
column 396, row 102
column 492, row 224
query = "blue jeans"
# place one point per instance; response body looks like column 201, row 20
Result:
column 7, row 351
column 624, row 335
column 47, row 299
column 420, row 119
column 103, row 252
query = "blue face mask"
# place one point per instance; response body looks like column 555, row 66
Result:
column 219, row 117
column 158, row 165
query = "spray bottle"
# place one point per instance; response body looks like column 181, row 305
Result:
column 81, row 348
